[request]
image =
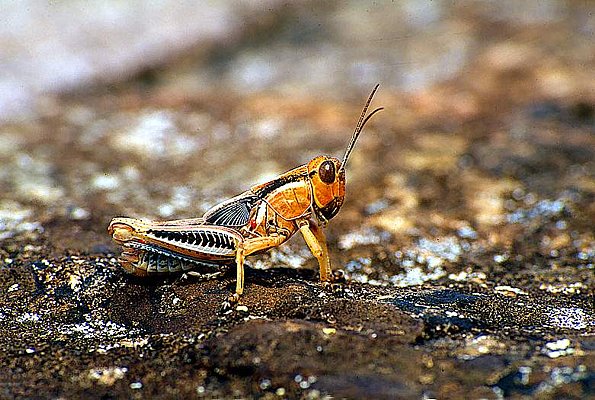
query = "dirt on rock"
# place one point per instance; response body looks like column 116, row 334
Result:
column 466, row 237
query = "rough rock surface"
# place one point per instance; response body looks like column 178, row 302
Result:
column 466, row 237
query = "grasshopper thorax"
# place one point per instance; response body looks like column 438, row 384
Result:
column 327, row 179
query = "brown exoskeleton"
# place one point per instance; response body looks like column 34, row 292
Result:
column 257, row 220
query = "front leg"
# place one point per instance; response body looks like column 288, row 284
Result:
column 316, row 241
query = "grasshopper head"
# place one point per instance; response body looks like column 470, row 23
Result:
column 328, row 186
column 327, row 174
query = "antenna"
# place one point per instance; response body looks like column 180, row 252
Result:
column 360, row 126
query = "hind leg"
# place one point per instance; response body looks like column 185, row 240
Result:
column 244, row 249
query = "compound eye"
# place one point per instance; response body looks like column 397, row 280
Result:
column 327, row 172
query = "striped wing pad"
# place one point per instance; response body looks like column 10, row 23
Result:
column 234, row 212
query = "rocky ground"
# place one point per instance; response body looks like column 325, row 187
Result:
column 466, row 237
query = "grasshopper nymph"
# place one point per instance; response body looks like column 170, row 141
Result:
column 261, row 218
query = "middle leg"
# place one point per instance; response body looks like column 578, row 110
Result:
column 250, row 246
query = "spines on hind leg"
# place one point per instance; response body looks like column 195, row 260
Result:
column 145, row 252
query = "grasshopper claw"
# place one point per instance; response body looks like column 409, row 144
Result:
column 228, row 305
column 234, row 298
column 337, row 283
column 338, row 276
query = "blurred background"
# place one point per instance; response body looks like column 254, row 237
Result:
column 293, row 48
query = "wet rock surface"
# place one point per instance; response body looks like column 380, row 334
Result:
column 466, row 237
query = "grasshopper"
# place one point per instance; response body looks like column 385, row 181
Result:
column 303, row 199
